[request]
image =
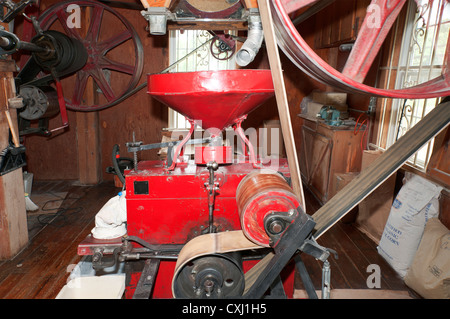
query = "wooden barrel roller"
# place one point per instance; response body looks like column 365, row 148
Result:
column 259, row 194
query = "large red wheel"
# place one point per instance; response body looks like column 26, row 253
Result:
column 115, row 53
column 364, row 51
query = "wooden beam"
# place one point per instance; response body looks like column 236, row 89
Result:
column 281, row 98
column 13, row 217
column 88, row 144
column 88, row 136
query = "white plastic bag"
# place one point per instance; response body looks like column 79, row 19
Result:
column 110, row 221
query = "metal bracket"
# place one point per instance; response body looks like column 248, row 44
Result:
column 146, row 282
column 157, row 18
column 296, row 237
column 311, row 247
column 285, row 248
column 275, row 223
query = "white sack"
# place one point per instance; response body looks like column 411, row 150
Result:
column 415, row 204
column 110, row 221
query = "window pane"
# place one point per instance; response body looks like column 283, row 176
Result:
column 421, row 59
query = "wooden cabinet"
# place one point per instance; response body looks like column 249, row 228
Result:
column 324, row 152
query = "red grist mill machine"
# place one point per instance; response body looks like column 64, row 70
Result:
column 201, row 227
column 221, row 226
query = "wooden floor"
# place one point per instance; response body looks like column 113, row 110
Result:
column 40, row 270
column 355, row 253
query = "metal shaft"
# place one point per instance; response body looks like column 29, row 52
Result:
column 8, row 43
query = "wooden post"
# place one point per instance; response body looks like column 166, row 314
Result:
column 88, row 135
column 281, row 98
column 88, row 144
column 13, row 216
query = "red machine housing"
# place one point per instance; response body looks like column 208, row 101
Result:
column 172, row 208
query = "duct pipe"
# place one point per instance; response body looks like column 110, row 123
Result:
column 254, row 40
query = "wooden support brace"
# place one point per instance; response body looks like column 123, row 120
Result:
column 281, row 98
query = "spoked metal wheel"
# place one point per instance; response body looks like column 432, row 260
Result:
column 115, row 53
column 222, row 47
column 364, row 51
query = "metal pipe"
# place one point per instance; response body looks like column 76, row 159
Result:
column 255, row 37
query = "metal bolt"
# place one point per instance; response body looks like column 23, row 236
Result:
column 276, row 227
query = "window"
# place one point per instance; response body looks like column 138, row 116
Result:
column 181, row 44
column 422, row 57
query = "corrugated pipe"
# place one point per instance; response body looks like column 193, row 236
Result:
column 253, row 43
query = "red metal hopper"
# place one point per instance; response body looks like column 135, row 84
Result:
column 213, row 99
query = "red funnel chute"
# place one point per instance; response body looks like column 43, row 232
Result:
column 216, row 98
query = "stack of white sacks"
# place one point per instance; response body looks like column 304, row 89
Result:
column 414, row 242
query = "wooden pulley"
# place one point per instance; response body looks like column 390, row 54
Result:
column 260, row 195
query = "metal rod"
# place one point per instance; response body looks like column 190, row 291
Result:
column 306, row 279
column 143, row 85
column 33, row 47
column 185, row 57
column 8, row 43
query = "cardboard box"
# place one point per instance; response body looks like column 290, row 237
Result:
column 373, row 211
column 340, row 181
column 330, row 98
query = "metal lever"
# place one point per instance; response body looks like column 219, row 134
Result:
column 61, row 102
column 212, row 188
